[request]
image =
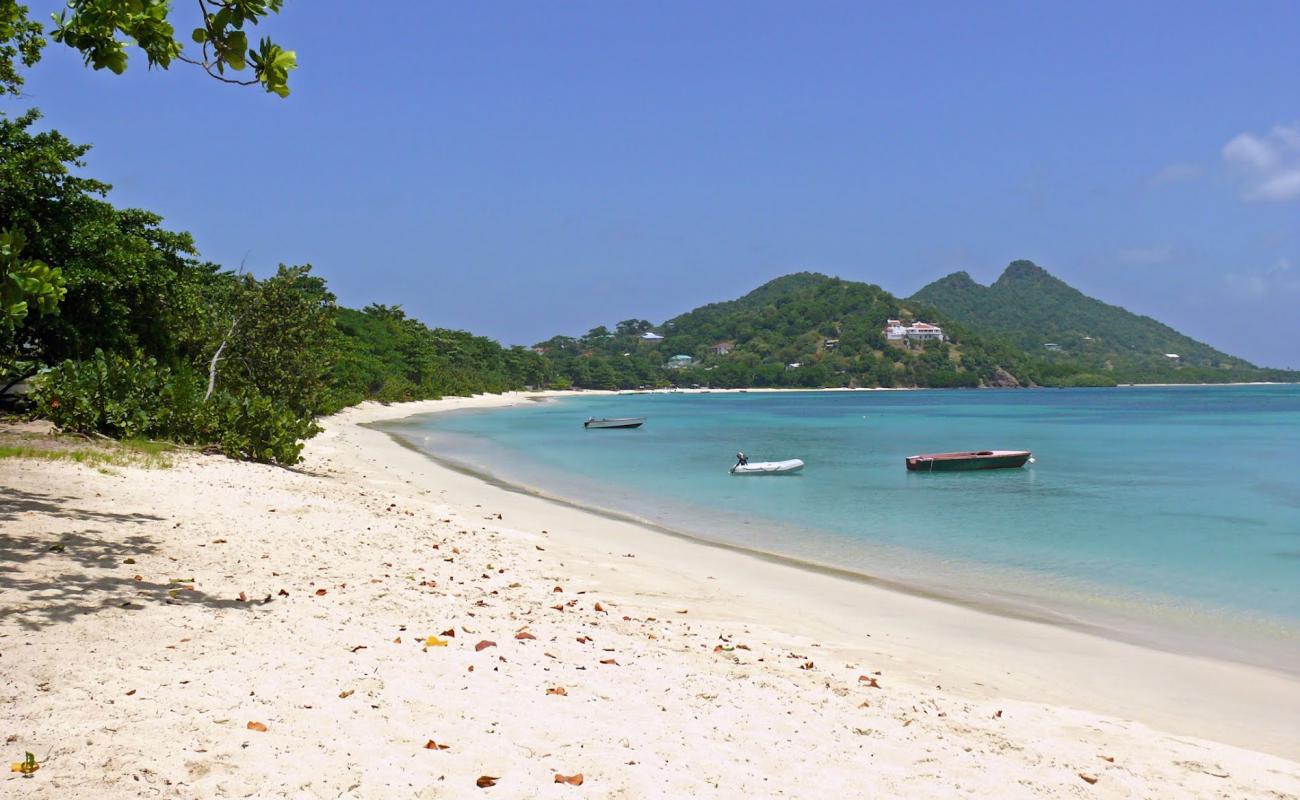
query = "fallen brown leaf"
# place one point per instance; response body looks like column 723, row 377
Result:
column 558, row 608
column 524, row 635
column 483, row 645
column 600, row 608
column 560, row 690
column 871, row 683
column 256, row 726
column 432, row 745
column 128, row 694
column 243, row 598
column 320, row 592
column 450, row 633
column 557, row 589
column 572, row 780
column 346, row 693
column 1111, row 759
column 283, row 593
column 610, row 661
column 807, row 665
column 1088, row 779
column 484, row 781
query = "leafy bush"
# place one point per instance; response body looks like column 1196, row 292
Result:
column 258, row 429
column 133, row 397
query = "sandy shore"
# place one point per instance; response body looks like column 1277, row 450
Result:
column 178, row 606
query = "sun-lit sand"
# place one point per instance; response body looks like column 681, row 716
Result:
column 182, row 610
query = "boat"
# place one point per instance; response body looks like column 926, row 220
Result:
column 768, row 467
column 973, row 459
column 614, row 422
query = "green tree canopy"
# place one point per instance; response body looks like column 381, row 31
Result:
column 102, row 30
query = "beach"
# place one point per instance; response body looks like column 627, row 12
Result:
column 374, row 624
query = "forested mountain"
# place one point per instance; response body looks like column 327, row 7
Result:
column 804, row 329
column 811, row 330
column 1070, row 332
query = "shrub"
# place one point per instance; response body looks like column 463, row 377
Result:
column 136, row 398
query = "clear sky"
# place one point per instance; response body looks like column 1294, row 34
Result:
column 525, row 169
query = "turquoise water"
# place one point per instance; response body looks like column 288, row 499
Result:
column 1147, row 509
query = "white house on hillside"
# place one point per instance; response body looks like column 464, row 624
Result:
column 897, row 332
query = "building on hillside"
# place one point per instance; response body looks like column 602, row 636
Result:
column 898, row 333
column 830, row 344
column 794, row 365
column 651, row 336
column 722, row 348
column 1173, row 357
column 680, row 362
column 1052, row 346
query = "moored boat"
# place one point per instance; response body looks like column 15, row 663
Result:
column 974, row 459
column 768, row 467
column 618, row 422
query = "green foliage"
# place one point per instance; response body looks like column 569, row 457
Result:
column 1083, row 379
column 131, row 396
column 282, row 339
column 21, row 40
column 101, row 31
column 25, row 283
column 257, row 428
column 1093, row 343
column 385, row 355
column 830, row 328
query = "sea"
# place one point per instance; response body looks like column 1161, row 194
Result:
column 1164, row 516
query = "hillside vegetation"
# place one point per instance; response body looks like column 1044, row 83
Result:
column 801, row 330
column 1032, row 310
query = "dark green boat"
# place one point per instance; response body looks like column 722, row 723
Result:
column 974, row 459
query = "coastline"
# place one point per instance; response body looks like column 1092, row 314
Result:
column 376, row 547
column 945, row 620
column 1082, row 613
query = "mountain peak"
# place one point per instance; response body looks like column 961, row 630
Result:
column 1021, row 270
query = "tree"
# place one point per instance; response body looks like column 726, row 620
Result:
column 101, row 30
column 25, row 283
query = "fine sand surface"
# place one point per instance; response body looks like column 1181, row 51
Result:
column 187, row 603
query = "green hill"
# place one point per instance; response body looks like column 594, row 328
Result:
column 805, row 330
column 1068, row 333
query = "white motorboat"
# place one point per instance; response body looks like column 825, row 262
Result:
column 621, row 422
column 768, row 467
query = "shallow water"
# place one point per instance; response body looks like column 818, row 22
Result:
column 1168, row 515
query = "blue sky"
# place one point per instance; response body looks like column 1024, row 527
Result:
column 525, row 169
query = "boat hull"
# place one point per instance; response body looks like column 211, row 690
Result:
column 788, row 467
column 630, row 422
column 974, row 460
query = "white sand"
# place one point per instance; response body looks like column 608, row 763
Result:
column 123, row 691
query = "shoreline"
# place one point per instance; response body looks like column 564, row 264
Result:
column 152, row 615
column 1185, row 639
column 1201, row 674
